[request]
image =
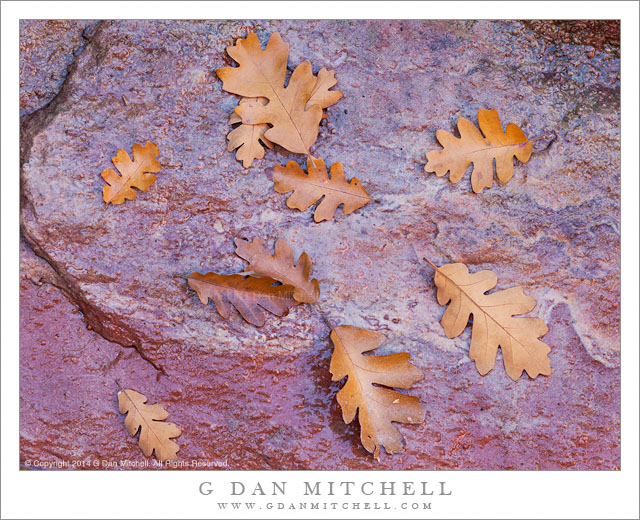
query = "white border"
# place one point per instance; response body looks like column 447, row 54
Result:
column 174, row 494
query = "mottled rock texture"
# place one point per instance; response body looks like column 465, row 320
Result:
column 47, row 49
column 263, row 398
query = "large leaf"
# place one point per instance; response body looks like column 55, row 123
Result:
column 248, row 139
column 377, row 406
column 250, row 296
column 262, row 74
column 473, row 147
column 310, row 187
column 493, row 322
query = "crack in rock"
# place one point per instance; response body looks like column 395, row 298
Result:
column 115, row 331
column 30, row 125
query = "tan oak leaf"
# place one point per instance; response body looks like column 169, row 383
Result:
column 369, row 388
column 481, row 150
column 248, row 139
column 262, row 74
column 133, row 174
column 310, row 187
column 155, row 435
column 493, row 322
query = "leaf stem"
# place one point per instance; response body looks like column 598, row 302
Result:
column 552, row 136
column 313, row 161
column 430, row 263
column 423, row 258
column 326, row 319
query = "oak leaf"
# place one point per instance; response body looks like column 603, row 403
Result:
column 280, row 266
column 473, row 147
column 261, row 74
column 155, row 435
column 368, row 388
column 310, row 187
column 247, row 138
column 249, row 295
column 133, row 174
column 493, row 322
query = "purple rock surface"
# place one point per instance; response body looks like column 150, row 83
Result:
column 263, row 398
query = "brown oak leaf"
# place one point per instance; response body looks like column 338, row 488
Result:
column 155, row 435
column 493, row 322
column 473, row 147
column 262, row 74
column 133, row 174
column 310, row 187
column 280, row 266
column 368, row 390
column 249, row 295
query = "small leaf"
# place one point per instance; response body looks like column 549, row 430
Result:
column 368, row 388
column 248, row 138
column 473, row 147
column 155, row 435
column 311, row 187
column 280, row 266
column 493, row 324
column 133, row 174
column 247, row 294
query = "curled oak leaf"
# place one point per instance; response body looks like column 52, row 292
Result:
column 493, row 322
column 309, row 188
column 294, row 126
column 247, row 139
column 280, row 266
column 366, row 389
column 473, row 147
column 155, row 435
column 133, row 174
column 247, row 294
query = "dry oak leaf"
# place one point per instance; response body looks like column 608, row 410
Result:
column 250, row 296
column 294, row 124
column 155, row 435
column 368, row 388
column 133, row 174
column 309, row 188
column 493, row 322
column 280, row 266
column 247, row 138
column 473, row 147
